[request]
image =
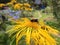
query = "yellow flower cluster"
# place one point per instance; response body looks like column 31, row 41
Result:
column 18, row 6
column 11, row 3
column 8, row 4
column 1, row 5
column 24, row 6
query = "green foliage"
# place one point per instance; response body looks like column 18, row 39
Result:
column 11, row 23
column 3, row 26
column 48, row 2
column 3, row 38
column 54, row 25
column 56, row 9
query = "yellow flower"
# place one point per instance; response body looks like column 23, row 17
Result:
column 13, row 1
column 28, row 23
column 18, row 6
column 26, row 4
column 1, row 5
column 31, row 32
column 28, row 9
column 9, row 3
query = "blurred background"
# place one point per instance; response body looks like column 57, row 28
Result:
column 46, row 10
